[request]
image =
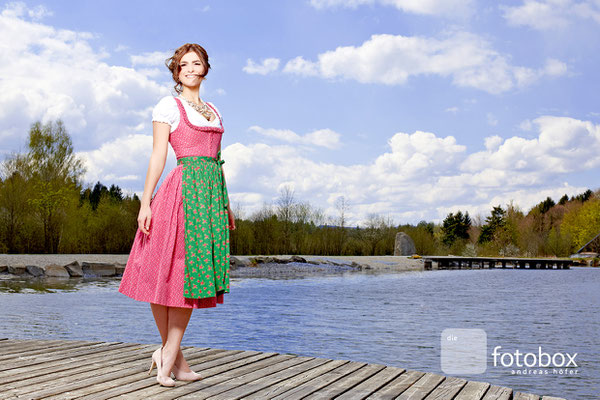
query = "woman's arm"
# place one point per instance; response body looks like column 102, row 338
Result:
column 160, row 141
column 223, row 174
column 229, row 212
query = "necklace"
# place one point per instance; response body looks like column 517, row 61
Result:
column 202, row 108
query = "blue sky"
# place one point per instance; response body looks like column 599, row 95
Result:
column 410, row 109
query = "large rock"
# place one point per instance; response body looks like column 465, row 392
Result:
column 74, row 269
column 235, row 263
column 262, row 259
column 35, row 270
column 98, row 269
column 55, row 270
column 17, row 269
column 120, row 269
column 3, row 269
column 404, row 245
column 298, row 259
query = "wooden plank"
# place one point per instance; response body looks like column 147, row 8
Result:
column 525, row 396
column 32, row 351
column 130, row 384
column 321, row 381
column 341, row 385
column 372, row 384
column 59, row 360
column 222, row 371
column 74, row 368
column 421, row 388
column 295, row 381
column 250, row 385
column 12, row 348
column 12, row 342
column 397, row 386
column 25, row 361
column 498, row 393
column 447, row 389
column 473, row 390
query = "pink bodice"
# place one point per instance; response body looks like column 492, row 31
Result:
column 191, row 140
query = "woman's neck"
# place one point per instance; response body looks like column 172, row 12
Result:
column 191, row 93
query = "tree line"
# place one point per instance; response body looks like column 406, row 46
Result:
column 46, row 208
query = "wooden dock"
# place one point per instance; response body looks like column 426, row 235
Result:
column 69, row 369
column 456, row 262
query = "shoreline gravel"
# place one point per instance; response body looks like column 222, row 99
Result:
column 245, row 268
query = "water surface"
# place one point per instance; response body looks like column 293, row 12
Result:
column 387, row 318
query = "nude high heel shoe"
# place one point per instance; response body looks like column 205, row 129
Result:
column 157, row 360
column 185, row 376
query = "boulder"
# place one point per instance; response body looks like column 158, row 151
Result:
column 98, row 269
column 3, row 269
column 263, row 259
column 56, row 270
column 235, row 263
column 17, row 269
column 74, row 269
column 296, row 258
column 120, row 269
column 404, row 245
column 35, row 270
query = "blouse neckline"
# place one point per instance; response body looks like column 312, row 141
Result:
column 199, row 127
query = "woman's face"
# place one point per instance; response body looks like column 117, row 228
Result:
column 192, row 69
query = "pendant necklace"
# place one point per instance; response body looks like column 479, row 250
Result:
column 202, row 108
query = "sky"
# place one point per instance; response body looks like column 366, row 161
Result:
column 408, row 109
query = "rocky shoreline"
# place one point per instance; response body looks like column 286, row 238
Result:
column 112, row 265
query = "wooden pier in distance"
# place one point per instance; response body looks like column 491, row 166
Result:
column 456, row 262
column 70, row 369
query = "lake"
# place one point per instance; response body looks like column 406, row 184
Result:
column 386, row 318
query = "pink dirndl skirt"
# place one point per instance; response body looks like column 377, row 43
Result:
column 156, row 265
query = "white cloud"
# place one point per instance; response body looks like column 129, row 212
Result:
column 122, row 157
column 96, row 100
column 151, row 58
column 551, row 14
column 392, row 59
column 322, row 137
column 423, row 7
column 17, row 9
column 268, row 65
column 564, row 145
column 421, row 175
column 452, row 110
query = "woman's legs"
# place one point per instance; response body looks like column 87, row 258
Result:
column 172, row 319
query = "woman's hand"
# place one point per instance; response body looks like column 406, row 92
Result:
column 231, row 218
column 144, row 217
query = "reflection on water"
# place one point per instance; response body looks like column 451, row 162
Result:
column 393, row 319
column 51, row 284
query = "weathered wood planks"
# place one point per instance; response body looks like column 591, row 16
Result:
column 69, row 369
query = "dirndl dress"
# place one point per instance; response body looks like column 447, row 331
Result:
column 184, row 260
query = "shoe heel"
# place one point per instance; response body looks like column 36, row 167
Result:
column 151, row 367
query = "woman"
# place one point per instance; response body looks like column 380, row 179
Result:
column 180, row 255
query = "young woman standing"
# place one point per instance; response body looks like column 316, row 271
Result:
column 180, row 255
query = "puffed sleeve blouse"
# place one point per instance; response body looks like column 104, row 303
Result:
column 167, row 111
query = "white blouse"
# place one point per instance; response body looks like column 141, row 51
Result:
column 167, row 111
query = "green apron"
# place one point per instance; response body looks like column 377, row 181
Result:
column 206, row 227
